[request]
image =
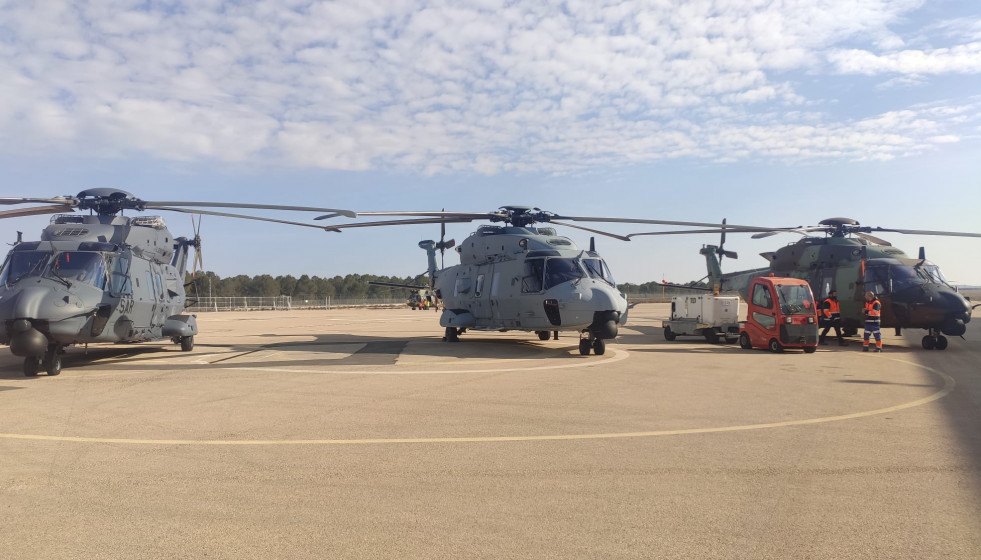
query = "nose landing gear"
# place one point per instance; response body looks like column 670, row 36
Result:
column 934, row 340
column 597, row 345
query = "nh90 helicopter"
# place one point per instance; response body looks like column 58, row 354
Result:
column 913, row 292
column 102, row 277
column 520, row 277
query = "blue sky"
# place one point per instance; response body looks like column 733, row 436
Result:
column 766, row 113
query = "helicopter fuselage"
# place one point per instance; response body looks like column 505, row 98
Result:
column 530, row 279
column 94, row 279
column 913, row 292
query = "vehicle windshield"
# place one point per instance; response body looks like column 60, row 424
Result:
column 795, row 300
column 79, row 266
column 597, row 268
column 559, row 270
column 21, row 264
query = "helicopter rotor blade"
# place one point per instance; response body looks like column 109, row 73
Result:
column 596, row 231
column 159, row 204
column 451, row 216
column 36, row 210
column 245, row 217
column 922, row 232
column 340, row 227
column 7, row 201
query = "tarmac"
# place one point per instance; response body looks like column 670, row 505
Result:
column 354, row 433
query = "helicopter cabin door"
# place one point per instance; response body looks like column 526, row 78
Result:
column 144, row 299
column 483, row 279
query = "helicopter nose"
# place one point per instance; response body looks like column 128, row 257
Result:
column 958, row 312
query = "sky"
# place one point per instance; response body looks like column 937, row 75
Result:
column 769, row 113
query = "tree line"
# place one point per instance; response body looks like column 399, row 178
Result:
column 209, row 284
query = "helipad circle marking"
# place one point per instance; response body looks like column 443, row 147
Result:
column 949, row 385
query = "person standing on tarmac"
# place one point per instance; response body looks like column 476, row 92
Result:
column 831, row 318
column 873, row 316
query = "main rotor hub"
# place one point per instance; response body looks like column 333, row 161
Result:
column 842, row 226
column 523, row 216
column 107, row 202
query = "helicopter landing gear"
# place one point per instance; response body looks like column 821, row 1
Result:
column 52, row 360
column 592, row 342
column 32, row 365
column 187, row 343
column 934, row 340
column 452, row 334
column 544, row 335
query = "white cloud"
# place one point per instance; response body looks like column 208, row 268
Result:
column 480, row 86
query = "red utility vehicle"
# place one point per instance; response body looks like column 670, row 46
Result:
column 780, row 314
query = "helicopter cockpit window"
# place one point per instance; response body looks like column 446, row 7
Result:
column 531, row 280
column 80, row 266
column 558, row 271
column 795, row 300
column 21, row 264
column 904, row 277
column 877, row 279
column 597, row 268
column 933, row 271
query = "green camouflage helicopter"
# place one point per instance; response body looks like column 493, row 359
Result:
column 913, row 292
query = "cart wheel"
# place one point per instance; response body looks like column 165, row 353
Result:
column 775, row 346
column 668, row 335
column 744, row 342
column 810, row 349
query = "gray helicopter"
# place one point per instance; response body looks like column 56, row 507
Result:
column 102, row 277
column 520, row 277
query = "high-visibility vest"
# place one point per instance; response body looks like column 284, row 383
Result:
column 873, row 311
column 831, row 309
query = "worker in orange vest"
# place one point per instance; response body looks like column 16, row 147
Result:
column 830, row 317
column 873, row 318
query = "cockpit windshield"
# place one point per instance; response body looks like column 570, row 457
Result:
column 597, row 268
column 907, row 277
column 559, row 270
column 899, row 277
column 933, row 271
column 795, row 300
column 79, row 266
column 21, row 264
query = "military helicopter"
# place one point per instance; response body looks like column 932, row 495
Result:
column 521, row 277
column 102, row 277
column 848, row 258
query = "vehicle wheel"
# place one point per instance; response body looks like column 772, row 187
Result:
column 744, row 342
column 52, row 363
column 187, row 343
column 584, row 346
column 544, row 335
column 849, row 331
column 711, row 337
column 32, row 365
column 730, row 340
column 810, row 349
column 599, row 347
column 775, row 345
column 668, row 335
column 452, row 335
column 928, row 342
column 941, row 343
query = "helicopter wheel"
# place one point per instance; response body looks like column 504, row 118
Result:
column 775, row 345
column 744, row 342
column 599, row 347
column 544, row 335
column 32, row 365
column 941, row 342
column 452, row 335
column 52, row 361
column 584, row 346
column 929, row 342
column 187, row 343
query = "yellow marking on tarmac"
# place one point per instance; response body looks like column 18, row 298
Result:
column 949, row 385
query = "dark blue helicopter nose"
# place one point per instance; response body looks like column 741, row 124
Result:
column 957, row 311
